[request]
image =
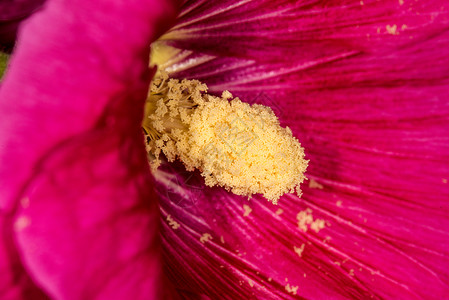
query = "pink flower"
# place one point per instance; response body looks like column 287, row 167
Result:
column 12, row 13
column 362, row 84
column 79, row 217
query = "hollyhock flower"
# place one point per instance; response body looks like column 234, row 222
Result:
column 362, row 84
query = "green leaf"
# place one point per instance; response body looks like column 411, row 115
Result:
column 3, row 63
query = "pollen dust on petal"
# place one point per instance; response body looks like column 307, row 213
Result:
column 306, row 221
column 313, row 184
column 247, row 209
column 291, row 289
column 299, row 250
column 392, row 29
column 173, row 224
column 206, row 237
column 22, row 223
column 279, row 211
column 251, row 283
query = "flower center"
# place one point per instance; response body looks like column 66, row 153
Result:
column 235, row 145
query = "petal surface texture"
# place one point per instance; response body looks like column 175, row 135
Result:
column 78, row 209
column 364, row 87
column 12, row 14
column 15, row 283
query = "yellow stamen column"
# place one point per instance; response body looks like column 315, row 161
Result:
column 235, row 145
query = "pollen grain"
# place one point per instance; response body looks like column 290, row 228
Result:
column 235, row 145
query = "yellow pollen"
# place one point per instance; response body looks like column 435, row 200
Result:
column 205, row 238
column 392, row 29
column 291, row 289
column 247, row 209
column 251, row 283
column 235, row 145
column 299, row 250
column 306, row 221
column 313, row 184
column 173, row 224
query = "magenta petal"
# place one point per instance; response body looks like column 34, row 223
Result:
column 303, row 31
column 15, row 282
column 74, row 169
column 90, row 227
column 12, row 14
column 47, row 83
